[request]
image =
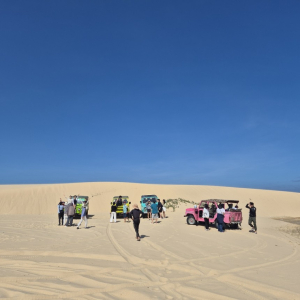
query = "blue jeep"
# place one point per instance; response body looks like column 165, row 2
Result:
column 145, row 199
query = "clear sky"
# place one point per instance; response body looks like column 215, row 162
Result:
column 171, row 92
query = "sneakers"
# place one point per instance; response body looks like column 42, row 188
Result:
column 77, row 227
column 252, row 230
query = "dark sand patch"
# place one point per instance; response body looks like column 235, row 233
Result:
column 293, row 230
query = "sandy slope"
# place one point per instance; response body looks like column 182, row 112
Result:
column 40, row 260
column 42, row 199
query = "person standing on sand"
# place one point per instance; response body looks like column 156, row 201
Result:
column 206, row 216
column 148, row 207
column 60, row 212
column 154, row 210
column 83, row 215
column 252, row 217
column 135, row 215
column 125, row 215
column 164, row 209
column 160, row 209
column 70, row 213
column 113, row 213
column 220, row 217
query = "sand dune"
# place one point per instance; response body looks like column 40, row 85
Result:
column 40, row 260
column 42, row 199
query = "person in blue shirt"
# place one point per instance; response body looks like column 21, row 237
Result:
column 125, row 213
column 154, row 209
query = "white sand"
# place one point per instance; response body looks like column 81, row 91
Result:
column 40, row 260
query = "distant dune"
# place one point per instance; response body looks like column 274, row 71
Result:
column 43, row 198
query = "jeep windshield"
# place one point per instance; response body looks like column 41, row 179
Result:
column 80, row 199
column 150, row 198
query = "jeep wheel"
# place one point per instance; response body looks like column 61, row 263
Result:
column 191, row 220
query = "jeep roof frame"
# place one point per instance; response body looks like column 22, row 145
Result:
column 221, row 201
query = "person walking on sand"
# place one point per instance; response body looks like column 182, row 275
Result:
column 113, row 213
column 60, row 208
column 70, row 213
column 148, row 207
column 135, row 215
column 252, row 217
column 83, row 215
column 125, row 213
column 220, row 217
column 206, row 217
column 154, row 210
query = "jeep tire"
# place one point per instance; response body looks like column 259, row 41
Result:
column 191, row 220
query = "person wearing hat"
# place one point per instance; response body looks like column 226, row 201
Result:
column 135, row 215
column 83, row 215
column 252, row 217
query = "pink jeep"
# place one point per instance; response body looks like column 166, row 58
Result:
column 232, row 219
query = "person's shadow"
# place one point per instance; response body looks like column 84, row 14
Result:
column 90, row 227
column 144, row 236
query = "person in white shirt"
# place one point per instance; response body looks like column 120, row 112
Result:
column 206, row 216
column 220, row 217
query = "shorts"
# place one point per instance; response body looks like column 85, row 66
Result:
column 164, row 209
column 125, row 215
column 148, row 210
column 154, row 216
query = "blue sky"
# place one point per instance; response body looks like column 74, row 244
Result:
column 171, row 92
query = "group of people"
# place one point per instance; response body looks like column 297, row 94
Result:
column 67, row 210
column 155, row 210
column 221, row 214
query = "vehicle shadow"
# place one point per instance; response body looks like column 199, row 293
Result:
column 212, row 226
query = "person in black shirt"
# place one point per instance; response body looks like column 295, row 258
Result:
column 113, row 213
column 160, row 209
column 135, row 215
column 252, row 217
column 119, row 202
